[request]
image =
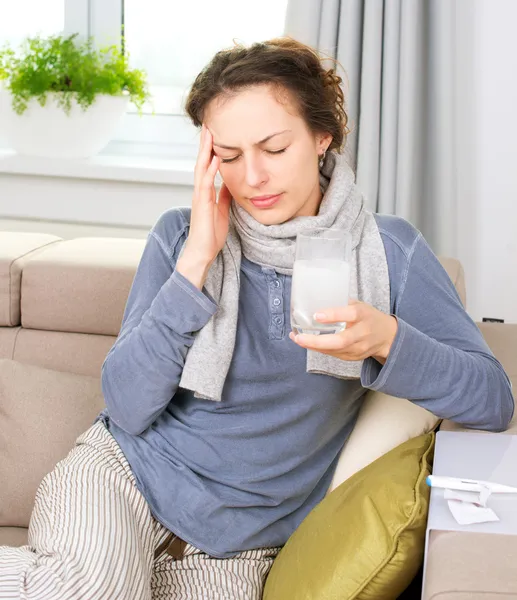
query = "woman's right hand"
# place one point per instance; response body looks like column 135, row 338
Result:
column 209, row 219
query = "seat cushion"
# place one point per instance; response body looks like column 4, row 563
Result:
column 42, row 412
column 365, row 540
column 13, row 536
column 8, row 337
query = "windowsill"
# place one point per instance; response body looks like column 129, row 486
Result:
column 114, row 167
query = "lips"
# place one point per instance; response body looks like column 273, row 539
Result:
column 265, row 201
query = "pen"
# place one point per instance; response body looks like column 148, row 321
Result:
column 469, row 485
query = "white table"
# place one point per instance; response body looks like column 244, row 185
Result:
column 484, row 456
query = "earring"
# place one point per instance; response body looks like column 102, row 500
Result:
column 322, row 158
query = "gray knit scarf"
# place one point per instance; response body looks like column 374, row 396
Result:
column 342, row 207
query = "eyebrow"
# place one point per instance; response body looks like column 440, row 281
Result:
column 266, row 139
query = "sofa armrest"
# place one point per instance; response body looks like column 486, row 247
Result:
column 16, row 250
column 463, row 565
column 502, row 339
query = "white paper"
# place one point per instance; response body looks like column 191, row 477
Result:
column 467, row 513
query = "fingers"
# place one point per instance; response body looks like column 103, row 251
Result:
column 197, row 168
column 208, row 179
column 330, row 343
column 337, row 314
column 316, row 342
column 204, row 157
column 348, row 340
column 205, row 171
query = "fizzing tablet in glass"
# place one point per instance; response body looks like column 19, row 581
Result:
column 321, row 279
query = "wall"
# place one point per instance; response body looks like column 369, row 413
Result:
column 69, row 231
column 72, row 207
column 487, row 175
column 493, row 235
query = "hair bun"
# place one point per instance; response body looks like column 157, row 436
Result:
column 331, row 78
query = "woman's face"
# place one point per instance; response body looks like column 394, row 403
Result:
column 266, row 150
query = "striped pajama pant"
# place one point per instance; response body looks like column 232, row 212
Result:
column 92, row 536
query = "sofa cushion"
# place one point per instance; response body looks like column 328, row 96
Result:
column 384, row 422
column 365, row 540
column 80, row 285
column 16, row 249
column 13, row 536
column 42, row 412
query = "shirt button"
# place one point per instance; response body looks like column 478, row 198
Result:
column 278, row 320
column 276, row 302
column 276, row 283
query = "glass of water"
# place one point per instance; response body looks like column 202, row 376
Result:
column 321, row 278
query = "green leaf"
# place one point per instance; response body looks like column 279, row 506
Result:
column 75, row 68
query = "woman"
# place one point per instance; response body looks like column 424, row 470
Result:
column 222, row 429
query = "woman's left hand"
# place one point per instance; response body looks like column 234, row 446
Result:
column 369, row 332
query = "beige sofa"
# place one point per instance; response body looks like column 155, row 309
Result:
column 61, row 306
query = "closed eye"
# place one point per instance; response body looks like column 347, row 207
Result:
column 231, row 160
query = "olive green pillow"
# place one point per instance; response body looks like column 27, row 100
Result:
column 365, row 540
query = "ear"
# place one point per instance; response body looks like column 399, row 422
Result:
column 323, row 141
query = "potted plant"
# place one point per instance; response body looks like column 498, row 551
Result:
column 64, row 98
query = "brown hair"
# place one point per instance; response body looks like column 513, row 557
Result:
column 285, row 64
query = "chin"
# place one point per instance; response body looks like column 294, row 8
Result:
column 271, row 217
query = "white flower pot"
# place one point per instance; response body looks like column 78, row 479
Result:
column 48, row 131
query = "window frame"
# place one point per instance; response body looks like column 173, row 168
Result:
column 160, row 135
column 171, row 136
column 76, row 17
column 100, row 18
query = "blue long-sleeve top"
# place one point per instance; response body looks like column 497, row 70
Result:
column 244, row 472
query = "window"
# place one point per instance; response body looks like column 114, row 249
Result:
column 173, row 41
column 170, row 40
column 29, row 17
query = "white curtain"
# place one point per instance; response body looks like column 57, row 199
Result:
column 399, row 80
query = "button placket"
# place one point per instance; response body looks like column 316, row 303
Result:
column 276, row 304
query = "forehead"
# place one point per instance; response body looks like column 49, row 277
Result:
column 251, row 110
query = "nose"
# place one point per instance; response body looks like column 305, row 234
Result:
column 256, row 174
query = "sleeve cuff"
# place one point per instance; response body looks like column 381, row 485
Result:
column 181, row 306
column 202, row 297
column 375, row 376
